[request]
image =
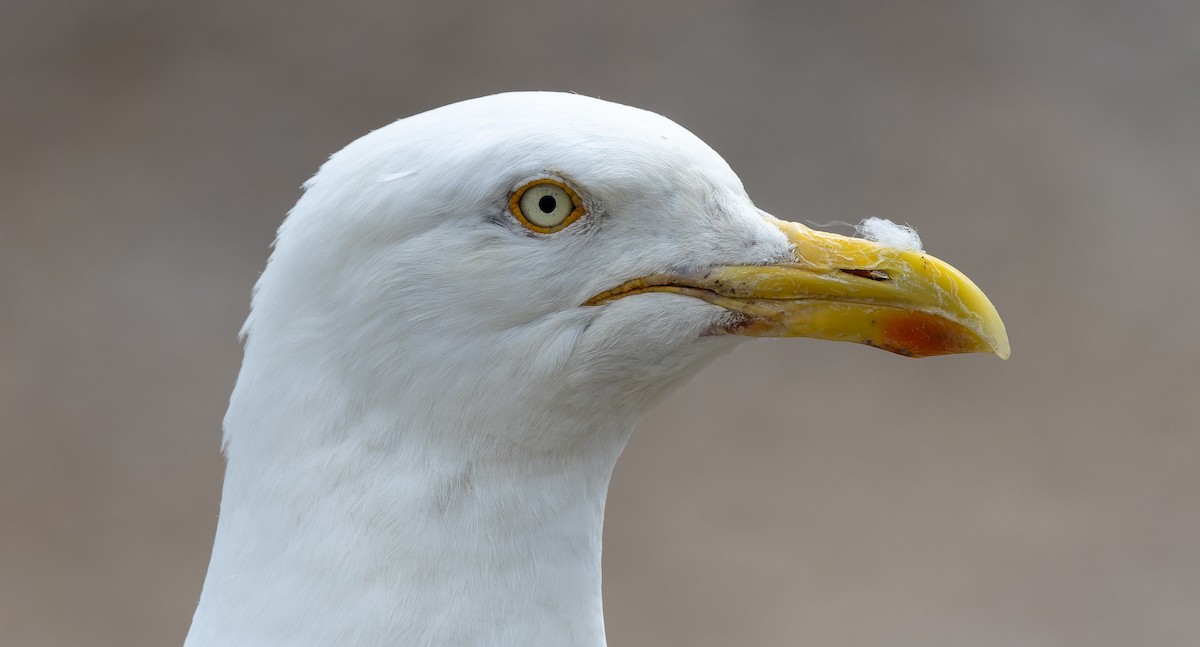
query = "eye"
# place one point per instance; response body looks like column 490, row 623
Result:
column 546, row 206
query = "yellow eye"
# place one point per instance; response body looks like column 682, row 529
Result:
column 546, row 206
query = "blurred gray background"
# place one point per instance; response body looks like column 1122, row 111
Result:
column 832, row 494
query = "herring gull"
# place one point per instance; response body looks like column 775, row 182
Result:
column 461, row 322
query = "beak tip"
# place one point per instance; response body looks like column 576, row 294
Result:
column 997, row 335
column 1002, row 350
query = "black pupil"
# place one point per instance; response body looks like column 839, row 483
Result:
column 547, row 203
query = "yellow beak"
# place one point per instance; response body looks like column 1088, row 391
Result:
column 846, row 289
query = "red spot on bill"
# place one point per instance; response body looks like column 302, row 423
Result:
column 917, row 334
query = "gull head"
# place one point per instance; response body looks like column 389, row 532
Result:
column 559, row 251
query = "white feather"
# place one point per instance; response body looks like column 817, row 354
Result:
column 886, row 232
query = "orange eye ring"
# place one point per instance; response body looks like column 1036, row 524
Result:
column 546, row 206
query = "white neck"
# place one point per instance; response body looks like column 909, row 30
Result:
column 345, row 525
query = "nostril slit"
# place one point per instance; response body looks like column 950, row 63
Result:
column 874, row 275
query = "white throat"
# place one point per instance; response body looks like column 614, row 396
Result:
column 376, row 536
